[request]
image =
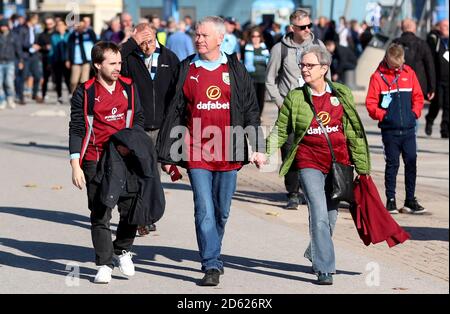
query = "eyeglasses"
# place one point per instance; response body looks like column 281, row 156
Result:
column 147, row 43
column 303, row 27
column 308, row 66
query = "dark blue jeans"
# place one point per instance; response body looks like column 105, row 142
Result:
column 394, row 145
column 213, row 191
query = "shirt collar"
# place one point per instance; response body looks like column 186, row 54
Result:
column 209, row 65
column 327, row 90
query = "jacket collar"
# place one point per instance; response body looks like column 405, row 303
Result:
column 210, row 65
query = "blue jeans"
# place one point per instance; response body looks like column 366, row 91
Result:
column 7, row 80
column 322, row 219
column 213, row 191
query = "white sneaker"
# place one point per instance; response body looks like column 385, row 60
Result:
column 11, row 103
column 125, row 263
column 3, row 105
column 103, row 274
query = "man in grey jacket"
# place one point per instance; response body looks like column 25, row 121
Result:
column 283, row 75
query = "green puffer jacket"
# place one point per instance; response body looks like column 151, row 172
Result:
column 296, row 116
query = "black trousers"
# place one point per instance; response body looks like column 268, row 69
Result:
column 291, row 181
column 47, row 73
column 100, row 221
column 260, row 89
column 439, row 101
column 61, row 72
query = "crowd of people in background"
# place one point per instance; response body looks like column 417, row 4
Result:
column 40, row 46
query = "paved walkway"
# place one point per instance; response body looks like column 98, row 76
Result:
column 45, row 238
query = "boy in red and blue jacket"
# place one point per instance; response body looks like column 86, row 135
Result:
column 395, row 99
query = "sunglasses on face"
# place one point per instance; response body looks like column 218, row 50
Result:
column 303, row 27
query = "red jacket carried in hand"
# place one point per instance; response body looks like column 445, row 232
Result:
column 374, row 223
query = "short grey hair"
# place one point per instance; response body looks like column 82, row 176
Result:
column 217, row 21
column 322, row 54
column 298, row 15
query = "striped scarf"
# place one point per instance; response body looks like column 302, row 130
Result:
column 152, row 62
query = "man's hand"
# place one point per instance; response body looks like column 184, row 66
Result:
column 258, row 159
column 77, row 174
column 68, row 64
column 142, row 36
column 166, row 168
column 430, row 96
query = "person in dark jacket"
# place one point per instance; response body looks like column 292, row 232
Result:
column 99, row 108
column 344, row 59
column 44, row 41
column 418, row 56
column 10, row 52
column 58, row 58
column 214, row 93
column 438, row 42
column 79, row 47
column 32, row 59
column 152, row 67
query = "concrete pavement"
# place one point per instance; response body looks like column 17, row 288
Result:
column 45, row 239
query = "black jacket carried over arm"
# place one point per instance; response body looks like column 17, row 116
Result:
column 136, row 173
column 244, row 112
column 419, row 57
column 153, row 94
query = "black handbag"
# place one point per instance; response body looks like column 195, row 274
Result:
column 341, row 175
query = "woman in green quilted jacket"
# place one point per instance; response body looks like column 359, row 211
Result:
column 335, row 107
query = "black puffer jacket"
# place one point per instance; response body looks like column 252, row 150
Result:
column 419, row 57
column 136, row 173
column 244, row 112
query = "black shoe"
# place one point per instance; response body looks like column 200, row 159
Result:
column 293, row 201
column 302, row 199
column 444, row 135
column 324, row 278
column 413, row 207
column 428, row 128
column 391, row 206
column 211, row 278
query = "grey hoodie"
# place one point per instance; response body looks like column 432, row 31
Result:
column 279, row 87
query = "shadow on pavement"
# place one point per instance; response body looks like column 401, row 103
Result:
column 44, row 255
column 42, row 265
column 51, row 216
column 41, row 146
column 176, row 186
column 258, row 266
column 261, row 198
column 427, row 233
